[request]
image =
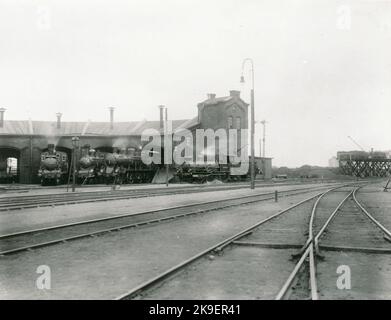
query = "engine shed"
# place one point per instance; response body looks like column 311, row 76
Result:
column 25, row 140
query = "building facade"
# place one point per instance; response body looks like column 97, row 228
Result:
column 25, row 140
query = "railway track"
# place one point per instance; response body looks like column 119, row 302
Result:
column 35, row 201
column 41, row 237
column 302, row 281
column 216, row 249
column 339, row 238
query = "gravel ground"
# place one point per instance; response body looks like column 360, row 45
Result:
column 107, row 266
column 239, row 273
column 26, row 219
column 377, row 202
column 290, row 228
column 370, row 275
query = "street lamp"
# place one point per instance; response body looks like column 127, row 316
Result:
column 75, row 144
column 252, row 163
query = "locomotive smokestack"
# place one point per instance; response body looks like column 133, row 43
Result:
column 51, row 148
column 2, row 110
column 111, row 117
column 161, row 107
column 58, row 115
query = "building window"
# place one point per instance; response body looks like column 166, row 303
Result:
column 237, row 122
column 230, row 122
column 188, row 141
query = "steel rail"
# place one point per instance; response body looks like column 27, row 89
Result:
column 309, row 249
column 376, row 222
column 18, row 203
column 25, row 232
column 214, row 248
column 125, row 226
column 224, row 186
column 331, row 217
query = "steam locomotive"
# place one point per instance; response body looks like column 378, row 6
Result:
column 122, row 166
column 212, row 170
column 53, row 167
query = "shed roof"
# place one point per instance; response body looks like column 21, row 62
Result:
column 88, row 128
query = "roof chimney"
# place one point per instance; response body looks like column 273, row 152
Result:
column 2, row 110
column 58, row 115
column 234, row 93
column 161, row 107
column 111, row 117
column 211, row 96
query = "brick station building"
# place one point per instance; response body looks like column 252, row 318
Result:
column 24, row 140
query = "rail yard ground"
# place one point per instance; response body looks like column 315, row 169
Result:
column 232, row 243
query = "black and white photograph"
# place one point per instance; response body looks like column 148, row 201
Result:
column 209, row 152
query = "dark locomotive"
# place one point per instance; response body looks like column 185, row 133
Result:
column 201, row 173
column 54, row 166
column 123, row 166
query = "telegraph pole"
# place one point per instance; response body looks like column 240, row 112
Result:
column 166, row 160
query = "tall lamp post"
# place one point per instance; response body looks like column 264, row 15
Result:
column 166, row 133
column 252, row 162
column 263, row 122
column 75, row 144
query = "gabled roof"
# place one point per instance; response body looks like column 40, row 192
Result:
column 46, row 128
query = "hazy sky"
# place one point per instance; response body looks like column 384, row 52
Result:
column 322, row 68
